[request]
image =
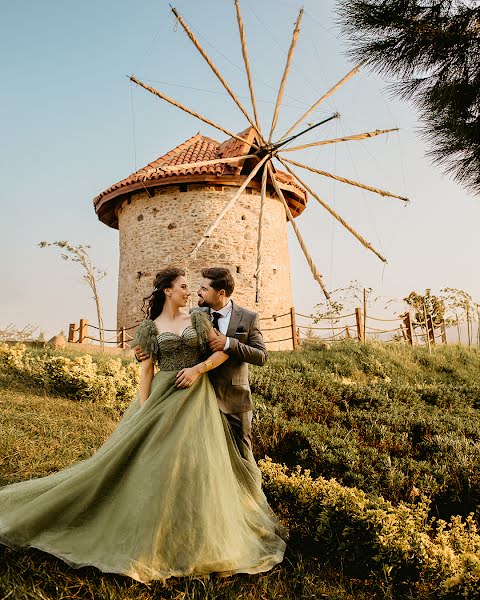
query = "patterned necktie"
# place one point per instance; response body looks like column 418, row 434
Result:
column 216, row 316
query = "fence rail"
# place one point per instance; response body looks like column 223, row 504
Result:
column 425, row 332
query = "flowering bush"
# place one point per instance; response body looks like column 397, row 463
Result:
column 400, row 544
column 80, row 377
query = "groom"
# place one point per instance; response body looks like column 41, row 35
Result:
column 240, row 337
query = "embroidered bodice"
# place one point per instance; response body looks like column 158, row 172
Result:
column 178, row 351
column 171, row 351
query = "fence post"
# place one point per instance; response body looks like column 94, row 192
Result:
column 443, row 331
column 82, row 330
column 294, row 328
column 407, row 320
column 358, row 319
column 121, row 339
column 71, row 332
column 427, row 334
column 431, row 329
column 347, row 332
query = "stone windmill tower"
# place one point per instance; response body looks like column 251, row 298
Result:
column 162, row 210
column 210, row 203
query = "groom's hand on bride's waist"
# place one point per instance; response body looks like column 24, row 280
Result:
column 140, row 355
column 217, row 343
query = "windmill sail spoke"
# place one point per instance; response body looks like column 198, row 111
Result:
column 334, row 214
column 216, row 71
column 363, row 186
column 347, row 138
column 205, row 163
column 317, row 276
column 348, row 76
column 295, row 35
column 163, row 96
column 246, row 60
column 229, row 205
column 263, row 195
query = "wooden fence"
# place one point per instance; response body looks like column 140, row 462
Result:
column 301, row 329
column 362, row 327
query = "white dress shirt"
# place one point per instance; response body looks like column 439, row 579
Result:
column 224, row 320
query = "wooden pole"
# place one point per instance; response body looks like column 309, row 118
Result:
column 163, row 96
column 364, row 314
column 316, row 274
column 431, row 329
column 71, row 332
column 427, row 335
column 293, row 43
column 347, row 138
column 347, row 332
column 202, row 163
column 229, row 205
column 358, row 320
column 82, row 330
column 243, row 42
column 348, row 76
column 295, row 339
column 469, row 327
column 334, row 214
column 122, row 338
column 260, row 234
column 217, row 73
column 407, row 320
column 443, row 330
column 363, row 186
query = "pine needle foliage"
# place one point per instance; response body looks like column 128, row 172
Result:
column 432, row 49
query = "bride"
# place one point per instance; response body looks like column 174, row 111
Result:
column 168, row 494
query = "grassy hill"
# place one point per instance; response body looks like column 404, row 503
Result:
column 389, row 435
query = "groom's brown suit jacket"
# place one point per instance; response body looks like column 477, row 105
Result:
column 230, row 379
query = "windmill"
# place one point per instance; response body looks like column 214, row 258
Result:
column 266, row 148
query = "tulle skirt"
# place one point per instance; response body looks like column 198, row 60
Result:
column 167, row 494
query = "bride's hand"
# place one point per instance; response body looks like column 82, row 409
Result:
column 186, row 377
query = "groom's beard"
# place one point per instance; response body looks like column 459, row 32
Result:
column 202, row 302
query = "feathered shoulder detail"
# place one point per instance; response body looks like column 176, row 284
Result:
column 202, row 324
column 146, row 337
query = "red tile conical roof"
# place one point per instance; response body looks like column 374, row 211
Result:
column 196, row 149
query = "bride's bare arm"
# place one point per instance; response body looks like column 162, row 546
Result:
column 146, row 376
column 186, row 377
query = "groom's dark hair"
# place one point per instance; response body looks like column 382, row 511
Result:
column 220, row 279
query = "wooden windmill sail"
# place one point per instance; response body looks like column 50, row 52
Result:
column 261, row 149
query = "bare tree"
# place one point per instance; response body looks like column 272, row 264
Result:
column 91, row 274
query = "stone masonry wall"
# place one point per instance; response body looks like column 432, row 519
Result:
column 162, row 230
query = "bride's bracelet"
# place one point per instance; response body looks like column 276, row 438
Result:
column 208, row 364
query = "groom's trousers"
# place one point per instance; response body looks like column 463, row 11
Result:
column 241, row 425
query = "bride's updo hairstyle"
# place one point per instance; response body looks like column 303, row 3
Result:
column 163, row 279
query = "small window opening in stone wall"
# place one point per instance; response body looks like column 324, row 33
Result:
column 184, row 187
column 274, row 270
column 139, row 274
column 244, row 218
column 238, row 269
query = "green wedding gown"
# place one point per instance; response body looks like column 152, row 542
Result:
column 167, row 494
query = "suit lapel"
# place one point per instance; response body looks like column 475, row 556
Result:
column 235, row 319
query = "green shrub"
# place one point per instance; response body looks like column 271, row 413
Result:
column 80, row 377
column 400, row 544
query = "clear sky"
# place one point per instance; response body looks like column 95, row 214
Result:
column 71, row 125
